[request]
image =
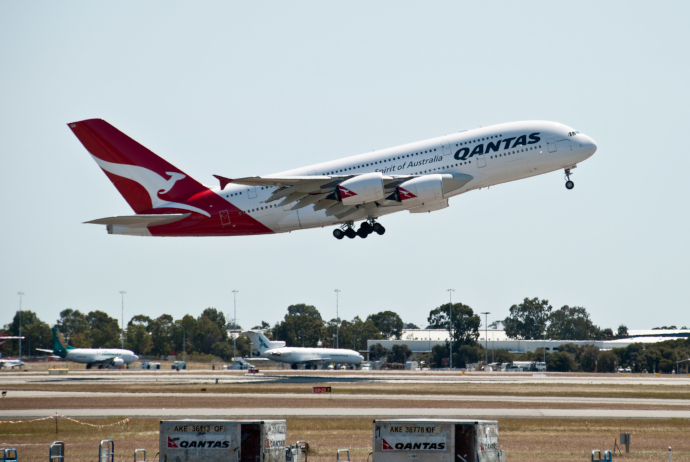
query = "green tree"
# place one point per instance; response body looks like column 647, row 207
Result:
column 215, row 316
column 36, row 334
column 622, row 331
column 388, row 323
column 161, row 335
column 300, row 320
column 363, row 331
column 138, row 340
column 560, row 361
column 465, row 323
column 143, row 320
column 209, row 333
column 263, row 326
column 438, row 354
column 467, row 354
column 377, row 352
column 72, row 322
column 588, row 357
column 528, row 319
column 572, row 323
column 606, row 362
column 104, row 330
column 399, row 354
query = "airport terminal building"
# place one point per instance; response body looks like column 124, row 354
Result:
column 423, row 340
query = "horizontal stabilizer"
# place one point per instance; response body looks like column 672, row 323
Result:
column 141, row 220
column 137, row 225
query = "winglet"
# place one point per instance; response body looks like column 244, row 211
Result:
column 223, row 181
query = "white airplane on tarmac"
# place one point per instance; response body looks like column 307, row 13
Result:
column 417, row 177
column 90, row 356
column 11, row 363
column 310, row 357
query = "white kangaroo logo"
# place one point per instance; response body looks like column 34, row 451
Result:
column 151, row 181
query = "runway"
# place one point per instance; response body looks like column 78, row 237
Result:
column 345, row 412
column 12, row 394
column 318, row 377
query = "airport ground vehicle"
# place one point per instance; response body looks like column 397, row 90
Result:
column 222, row 440
column 436, row 440
column 177, row 365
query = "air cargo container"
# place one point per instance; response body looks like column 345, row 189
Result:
column 222, row 440
column 436, row 440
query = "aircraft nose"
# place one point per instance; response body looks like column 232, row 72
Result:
column 589, row 144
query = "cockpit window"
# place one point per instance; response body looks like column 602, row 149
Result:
column 573, row 133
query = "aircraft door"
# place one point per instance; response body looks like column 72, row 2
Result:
column 251, row 192
column 445, row 147
column 551, row 144
column 481, row 161
column 250, row 446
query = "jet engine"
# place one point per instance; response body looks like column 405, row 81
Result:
column 427, row 188
column 117, row 361
column 430, row 188
column 360, row 189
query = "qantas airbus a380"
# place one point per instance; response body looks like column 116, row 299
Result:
column 418, row 177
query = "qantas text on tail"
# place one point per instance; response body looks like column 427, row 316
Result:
column 418, row 177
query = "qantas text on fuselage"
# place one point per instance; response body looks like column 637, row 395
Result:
column 417, row 177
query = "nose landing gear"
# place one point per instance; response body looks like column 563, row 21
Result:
column 568, row 184
column 365, row 229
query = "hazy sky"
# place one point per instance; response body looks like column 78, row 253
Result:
column 251, row 88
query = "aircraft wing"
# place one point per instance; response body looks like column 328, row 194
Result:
column 275, row 181
column 320, row 191
column 44, row 350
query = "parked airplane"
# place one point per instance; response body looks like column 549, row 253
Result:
column 11, row 363
column 91, row 356
column 310, row 357
column 418, row 177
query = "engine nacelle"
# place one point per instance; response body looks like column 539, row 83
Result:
column 117, row 361
column 361, row 189
column 427, row 188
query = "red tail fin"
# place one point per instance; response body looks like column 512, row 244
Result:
column 145, row 180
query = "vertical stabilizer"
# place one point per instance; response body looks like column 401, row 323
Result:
column 60, row 347
column 261, row 342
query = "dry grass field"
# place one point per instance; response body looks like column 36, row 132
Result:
column 524, row 440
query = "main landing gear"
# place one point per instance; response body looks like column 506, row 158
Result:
column 365, row 229
column 568, row 184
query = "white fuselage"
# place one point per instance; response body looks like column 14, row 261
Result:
column 100, row 355
column 509, row 158
column 296, row 355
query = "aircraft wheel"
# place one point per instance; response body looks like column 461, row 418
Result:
column 569, row 185
column 377, row 227
column 338, row 233
column 293, row 366
column 366, row 227
column 351, row 233
column 362, row 233
column 381, row 231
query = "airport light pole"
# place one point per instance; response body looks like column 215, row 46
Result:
column 122, row 294
column 450, row 323
column 21, row 294
column 486, row 338
column 234, row 322
column 337, row 320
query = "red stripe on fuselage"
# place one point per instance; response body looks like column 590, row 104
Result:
column 237, row 224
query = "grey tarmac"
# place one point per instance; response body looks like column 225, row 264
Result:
column 345, row 412
column 318, row 377
column 505, row 398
